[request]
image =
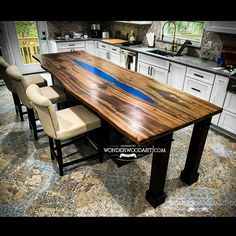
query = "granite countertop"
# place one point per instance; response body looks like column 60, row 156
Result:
column 195, row 62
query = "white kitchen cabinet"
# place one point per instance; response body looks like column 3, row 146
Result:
column 176, row 75
column 143, row 68
column 161, row 63
column 230, row 102
column 57, row 46
column 228, row 121
column 221, row 26
column 154, row 67
column 114, row 57
column 159, row 74
column 154, row 72
column 108, row 52
column 218, row 94
column 200, row 75
column 102, row 53
column 197, row 88
column 90, row 47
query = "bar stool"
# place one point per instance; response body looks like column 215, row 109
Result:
column 20, row 82
column 37, row 79
column 64, row 124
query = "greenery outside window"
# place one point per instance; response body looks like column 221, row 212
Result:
column 185, row 30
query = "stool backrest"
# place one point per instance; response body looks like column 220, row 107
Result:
column 8, row 82
column 44, row 108
column 20, row 84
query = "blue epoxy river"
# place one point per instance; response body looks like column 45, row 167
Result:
column 113, row 80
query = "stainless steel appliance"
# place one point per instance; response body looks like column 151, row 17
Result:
column 96, row 31
column 128, row 59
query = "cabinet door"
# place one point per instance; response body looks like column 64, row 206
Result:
column 221, row 26
column 102, row 53
column 228, row 121
column 219, row 90
column 197, row 88
column 230, row 102
column 90, row 47
column 176, row 75
column 115, row 58
column 218, row 94
column 143, row 68
column 159, row 74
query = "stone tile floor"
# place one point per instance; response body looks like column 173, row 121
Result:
column 30, row 184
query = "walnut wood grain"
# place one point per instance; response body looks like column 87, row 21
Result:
column 137, row 119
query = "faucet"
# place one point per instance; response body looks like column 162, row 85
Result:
column 173, row 46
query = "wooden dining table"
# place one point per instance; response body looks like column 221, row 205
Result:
column 138, row 107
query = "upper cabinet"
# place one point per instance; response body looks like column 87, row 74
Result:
column 221, row 26
column 137, row 22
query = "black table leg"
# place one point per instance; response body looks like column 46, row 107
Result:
column 200, row 130
column 155, row 195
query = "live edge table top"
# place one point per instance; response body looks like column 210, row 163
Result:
column 139, row 107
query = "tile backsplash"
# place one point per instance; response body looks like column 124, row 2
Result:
column 122, row 30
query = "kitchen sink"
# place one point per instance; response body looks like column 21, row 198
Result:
column 162, row 53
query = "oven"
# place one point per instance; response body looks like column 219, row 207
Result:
column 128, row 59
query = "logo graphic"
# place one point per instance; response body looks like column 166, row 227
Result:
column 127, row 157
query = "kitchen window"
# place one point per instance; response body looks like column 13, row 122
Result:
column 185, row 30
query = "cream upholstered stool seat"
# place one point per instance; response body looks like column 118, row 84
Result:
column 36, row 79
column 20, row 82
column 63, row 124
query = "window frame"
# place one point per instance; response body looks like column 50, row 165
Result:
column 181, row 41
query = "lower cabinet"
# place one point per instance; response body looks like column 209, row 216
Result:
column 176, row 75
column 228, row 121
column 228, row 116
column 108, row 52
column 90, row 47
column 218, row 94
column 66, row 46
column 197, row 88
column 154, row 72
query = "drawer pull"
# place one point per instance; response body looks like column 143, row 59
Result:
column 103, row 46
column 201, row 76
column 71, row 45
column 198, row 90
column 114, row 49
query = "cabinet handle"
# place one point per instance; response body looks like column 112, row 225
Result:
column 114, row 49
column 103, row 46
column 151, row 71
column 71, row 45
column 148, row 70
column 201, row 76
column 169, row 68
column 198, row 90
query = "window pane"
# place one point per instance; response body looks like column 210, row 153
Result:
column 192, row 30
column 28, row 40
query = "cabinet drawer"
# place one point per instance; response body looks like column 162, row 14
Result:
column 228, row 121
column 197, row 88
column 113, row 49
column 230, row 102
column 72, row 49
column 78, row 44
column 200, row 75
column 103, row 45
column 153, row 61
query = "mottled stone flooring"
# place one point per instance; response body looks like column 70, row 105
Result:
column 30, row 184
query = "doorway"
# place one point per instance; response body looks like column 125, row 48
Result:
column 27, row 38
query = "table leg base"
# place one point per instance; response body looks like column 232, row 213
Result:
column 189, row 179
column 155, row 201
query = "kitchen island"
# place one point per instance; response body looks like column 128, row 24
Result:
column 139, row 107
